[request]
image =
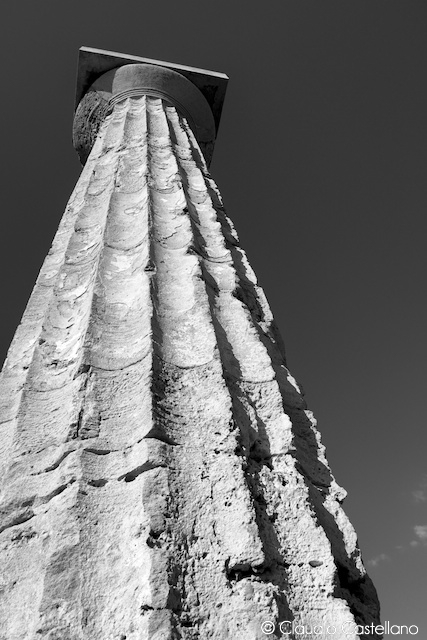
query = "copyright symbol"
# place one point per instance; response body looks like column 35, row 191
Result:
column 268, row 627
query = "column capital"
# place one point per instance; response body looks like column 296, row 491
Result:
column 105, row 78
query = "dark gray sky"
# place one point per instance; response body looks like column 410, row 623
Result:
column 321, row 159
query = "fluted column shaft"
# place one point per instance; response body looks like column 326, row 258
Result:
column 161, row 473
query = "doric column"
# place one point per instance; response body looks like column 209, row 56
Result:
column 161, row 475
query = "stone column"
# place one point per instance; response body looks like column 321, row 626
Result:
column 161, row 475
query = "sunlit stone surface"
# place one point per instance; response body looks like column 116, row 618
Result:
column 162, row 477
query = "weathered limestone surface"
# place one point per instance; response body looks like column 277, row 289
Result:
column 161, row 475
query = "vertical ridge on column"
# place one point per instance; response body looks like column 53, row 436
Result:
column 192, row 410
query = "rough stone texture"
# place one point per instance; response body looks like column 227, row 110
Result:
column 162, row 477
